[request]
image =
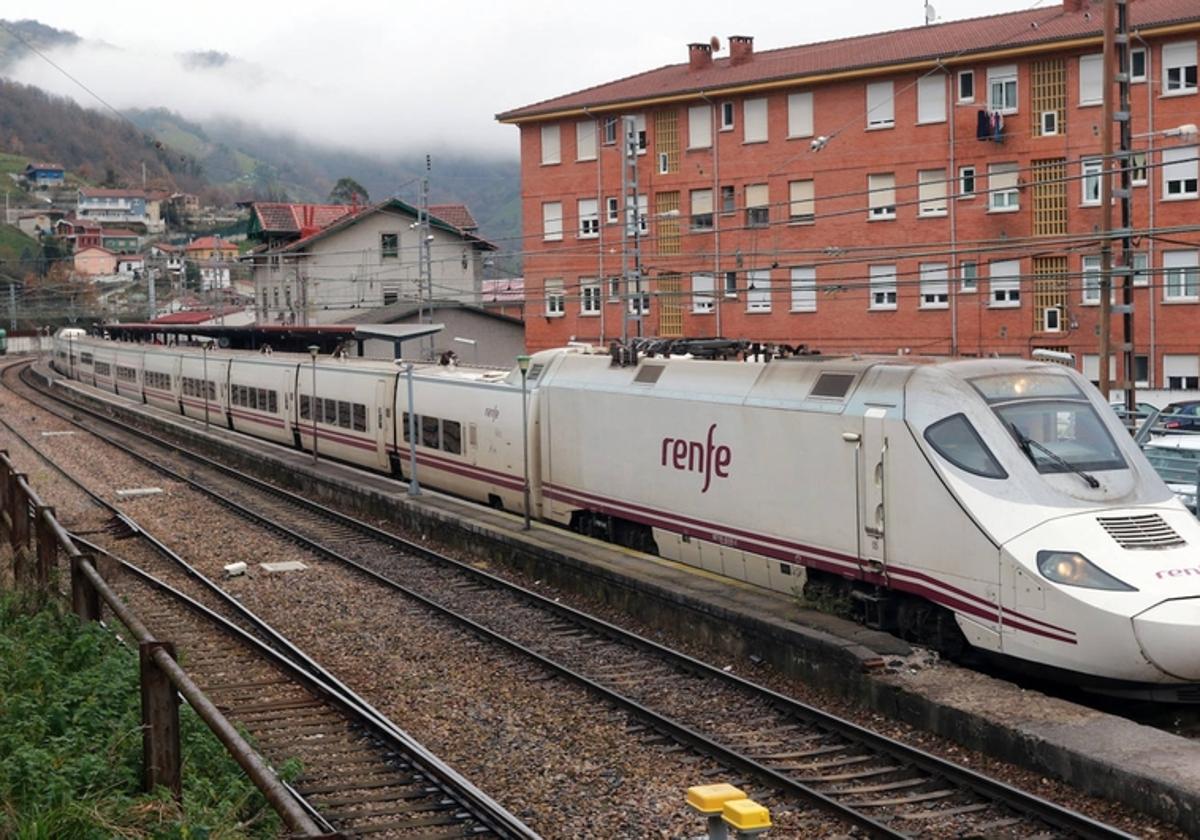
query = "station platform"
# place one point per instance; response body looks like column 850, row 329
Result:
column 1104, row 755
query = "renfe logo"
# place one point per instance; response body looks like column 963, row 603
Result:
column 696, row 456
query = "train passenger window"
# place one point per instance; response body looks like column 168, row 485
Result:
column 273, row 402
column 330, row 417
column 452, row 436
column 956, row 440
column 405, row 425
column 305, row 413
column 360, row 417
column 343, row 414
column 832, row 385
column 430, row 427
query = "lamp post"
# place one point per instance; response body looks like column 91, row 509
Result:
column 313, row 350
column 414, row 486
column 204, row 353
column 523, row 364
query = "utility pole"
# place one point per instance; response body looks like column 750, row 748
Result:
column 1116, row 71
column 631, row 240
column 426, row 259
column 12, row 306
column 151, row 291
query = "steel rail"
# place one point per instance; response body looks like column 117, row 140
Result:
column 1020, row 800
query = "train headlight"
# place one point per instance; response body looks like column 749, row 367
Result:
column 1073, row 569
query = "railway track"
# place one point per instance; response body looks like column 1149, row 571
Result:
column 357, row 773
column 879, row 784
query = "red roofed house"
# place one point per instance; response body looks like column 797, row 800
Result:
column 364, row 259
column 214, row 257
column 933, row 190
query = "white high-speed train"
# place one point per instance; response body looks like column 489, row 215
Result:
column 994, row 502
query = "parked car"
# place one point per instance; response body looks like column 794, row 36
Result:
column 1141, row 412
column 1176, row 458
column 1183, row 416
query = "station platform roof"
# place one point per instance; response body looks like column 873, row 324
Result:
column 282, row 337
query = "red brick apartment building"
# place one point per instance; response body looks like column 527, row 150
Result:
column 930, row 190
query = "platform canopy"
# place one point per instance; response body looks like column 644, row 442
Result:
column 280, row 337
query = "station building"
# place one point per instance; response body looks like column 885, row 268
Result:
column 933, row 190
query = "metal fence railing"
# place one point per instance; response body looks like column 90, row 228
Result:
column 37, row 539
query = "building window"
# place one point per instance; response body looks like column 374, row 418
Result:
column 1141, row 268
column 614, row 289
column 935, row 286
column 589, row 296
column 881, row 112
column 639, row 301
column 1181, row 372
column 800, row 114
column 931, row 192
column 389, row 245
column 585, row 140
column 551, row 145
column 702, row 293
column 1091, row 79
column 1002, row 89
column 1002, row 188
column 931, row 99
column 968, row 276
column 758, row 291
column 552, row 223
column 639, row 131
column 731, row 289
column 1093, row 171
column 1137, row 65
column 802, row 205
column 1179, row 172
column 883, row 286
column 1091, row 368
column 757, row 205
column 804, row 289
column 641, row 213
column 728, row 199
column 882, row 196
column 1090, row 279
column 612, row 210
column 702, row 210
column 1179, row 67
column 610, row 131
column 754, row 113
column 966, row 86
column 1137, row 169
column 1180, row 275
column 727, row 116
column 1141, row 371
column 1004, row 284
column 966, row 182
column 555, row 298
column 589, row 218
column 699, row 127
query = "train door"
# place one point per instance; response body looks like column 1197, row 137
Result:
column 382, row 415
column 872, row 492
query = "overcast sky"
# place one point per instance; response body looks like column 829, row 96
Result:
column 400, row 76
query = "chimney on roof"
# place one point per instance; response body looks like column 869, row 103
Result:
column 741, row 48
column 699, row 56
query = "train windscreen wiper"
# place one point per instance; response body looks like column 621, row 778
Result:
column 1027, row 442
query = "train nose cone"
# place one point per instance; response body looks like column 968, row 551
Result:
column 1167, row 636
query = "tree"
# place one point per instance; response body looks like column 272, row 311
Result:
column 348, row 191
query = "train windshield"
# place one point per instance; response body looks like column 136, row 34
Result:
column 1052, row 422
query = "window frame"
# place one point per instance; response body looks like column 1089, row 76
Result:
column 963, row 277
column 1191, row 168
column 937, row 206
column 756, row 116
column 995, row 205
column 728, row 117
column 1091, row 266
column 1169, row 273
column 582, row 128
column 583, row 229
column 874, row 91
column 931, row 82
column 884, row 292
column 693, row 134
column 699, row 222
column 969, row 98
column 885, row 211
column 1094, row 86
column 549, row 130
column 963, row 192
column 703, row 302
column 549, row 234
column 1091, row 172
column 795, row 218
column 554, row 297
column 386, row 252
column 802, row 288
column 929, row 285
column 1009, row 284
column 590, row 297
column 800, row 114
column 1004, row 75
column 758, row 298
column 1135, row 78
column 1181, row 86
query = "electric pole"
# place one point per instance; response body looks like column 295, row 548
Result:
column 426, row 260
column 631, row 239
column 1116, row 72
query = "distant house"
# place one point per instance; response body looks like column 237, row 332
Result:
column 170, row 258
column 119, row 239
column 363, row 260
column 79, row 233
column 133, row 264
column 44, row 174
column 504, row 296
column 274, row 223
column 119, row 206
column 474, row 334
column 214, row 257
column 229, row 316
column 39, row 223
column 94, row 261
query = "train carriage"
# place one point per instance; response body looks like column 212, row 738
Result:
column 104, row 364
column 160, row 378
column 468, row 433
column 261, row 394
column 203, row 385
column 351, row 412
column 128, row 372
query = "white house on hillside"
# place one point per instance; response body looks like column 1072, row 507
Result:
column 362, row 261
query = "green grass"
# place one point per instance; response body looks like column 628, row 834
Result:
column 70, row 745
column 10, row 164
column 13, row 244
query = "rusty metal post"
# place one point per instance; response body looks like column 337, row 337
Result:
column 85, row 600
column 161, row 756
column 47, row 548
column 5, row 489
column 18, row 509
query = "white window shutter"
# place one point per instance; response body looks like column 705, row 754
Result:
column 551, row 145
column 755, row 116
column 931, row 99
column 585, row 140
column 800, row 114
column 880, row 104
column 1091, row 79
column 700, row 127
